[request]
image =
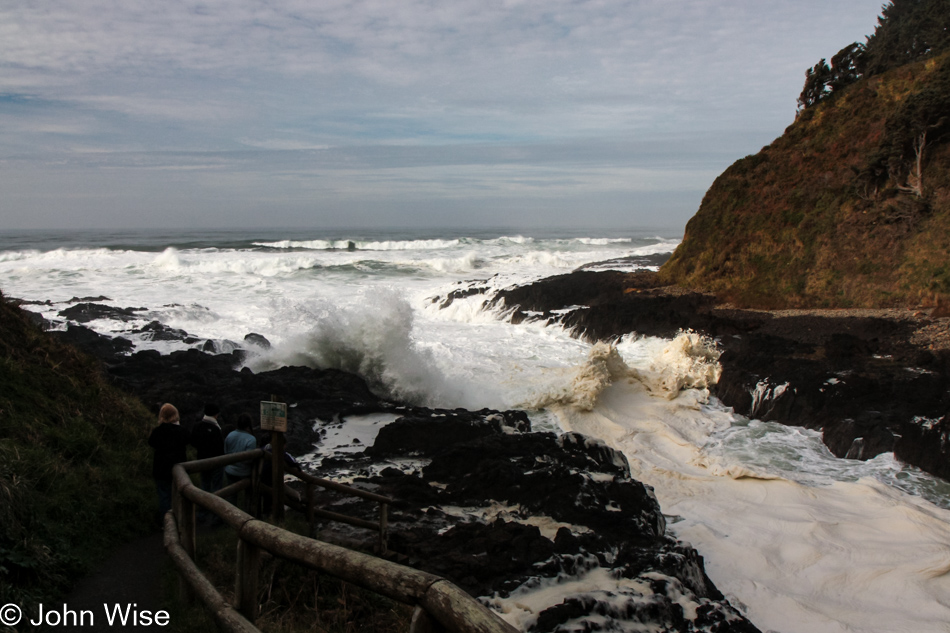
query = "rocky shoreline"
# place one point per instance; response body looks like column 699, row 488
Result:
column 872, row 381
column 551, row 530
column 510, row 514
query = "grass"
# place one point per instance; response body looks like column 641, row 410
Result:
column 75, row 474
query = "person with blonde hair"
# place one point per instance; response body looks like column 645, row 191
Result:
column 169, row 441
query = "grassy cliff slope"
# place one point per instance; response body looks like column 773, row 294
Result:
column 850, row 207
column 75, row 473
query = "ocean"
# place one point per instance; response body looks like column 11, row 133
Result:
column 797, row 539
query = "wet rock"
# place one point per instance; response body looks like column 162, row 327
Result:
column 925, row 442
column 104, row 347
column 429, row 431
column 471, row 290
column 555, row 476
column 86, row 312
column 856, row 378
column 607, row 305
column 258, row 340
column 157, row 331
column 863, row 438
column 37, row 319
column 484, row 511
column 190, row 378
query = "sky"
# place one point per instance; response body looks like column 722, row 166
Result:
column 299, row 113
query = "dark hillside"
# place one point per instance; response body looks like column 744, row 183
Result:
column 75, row 473
column 850, row 207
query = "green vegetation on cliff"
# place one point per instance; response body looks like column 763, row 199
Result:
column 907, row 31
column 75, row 473
column 850, row 207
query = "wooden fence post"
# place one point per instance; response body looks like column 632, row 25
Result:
column 383, row 526
column 185, row 511
column 255, row 491
column 421, row 622
column 246, row 579
column 310, row 507
column 277, row 443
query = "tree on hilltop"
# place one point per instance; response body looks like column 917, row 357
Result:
column 906, row 31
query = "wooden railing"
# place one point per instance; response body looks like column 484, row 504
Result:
column 438, row 604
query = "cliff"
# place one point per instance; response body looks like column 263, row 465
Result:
column 850, row 207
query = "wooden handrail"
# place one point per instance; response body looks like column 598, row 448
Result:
column 437, row 598
column 333, row 485
column 221, row 610
column 198, row 465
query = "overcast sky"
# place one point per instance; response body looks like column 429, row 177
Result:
column 244, row 113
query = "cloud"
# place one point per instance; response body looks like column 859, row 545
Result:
column 297, row 89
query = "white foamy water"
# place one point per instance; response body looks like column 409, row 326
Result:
column 797, row 539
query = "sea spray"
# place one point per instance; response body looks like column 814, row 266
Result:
column 372, row 338
column 689, row 361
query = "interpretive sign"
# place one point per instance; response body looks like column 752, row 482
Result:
column 274, row 416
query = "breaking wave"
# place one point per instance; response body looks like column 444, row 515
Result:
column 689, row 361
column 372, row 339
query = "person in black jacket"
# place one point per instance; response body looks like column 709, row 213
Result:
column 206, row 437
column 169, row 442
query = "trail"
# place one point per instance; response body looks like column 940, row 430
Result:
column 131, row 574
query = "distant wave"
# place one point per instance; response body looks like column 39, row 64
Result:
column 388, row 245
column 435, row 244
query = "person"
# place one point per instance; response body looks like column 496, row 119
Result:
column 169, row 441
column 267, row 475
column 237, row 441
column 207, row 439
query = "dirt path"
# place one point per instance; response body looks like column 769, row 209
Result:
column 131, row 575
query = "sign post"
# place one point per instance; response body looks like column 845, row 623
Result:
column 274, row 419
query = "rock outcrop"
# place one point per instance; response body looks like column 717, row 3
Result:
column 856, row 376
column 479, row 498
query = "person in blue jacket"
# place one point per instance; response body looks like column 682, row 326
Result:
column 237, row 441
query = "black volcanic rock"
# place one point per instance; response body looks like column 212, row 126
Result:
column 104, row 347
column 471, row 290
column 36, row 318
column 856, row 378
column 157, row 331
column 428, row 431
column 563, row 506
column 552, row 475
column 257, row 339
column 190, row 378
column 609, row 304
column 85, row 312
column 577, row 486
column 925, row 442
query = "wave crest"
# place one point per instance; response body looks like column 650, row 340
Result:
column 689, row 361
column 371, row 339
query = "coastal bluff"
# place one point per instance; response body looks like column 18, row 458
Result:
column 850, row 207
